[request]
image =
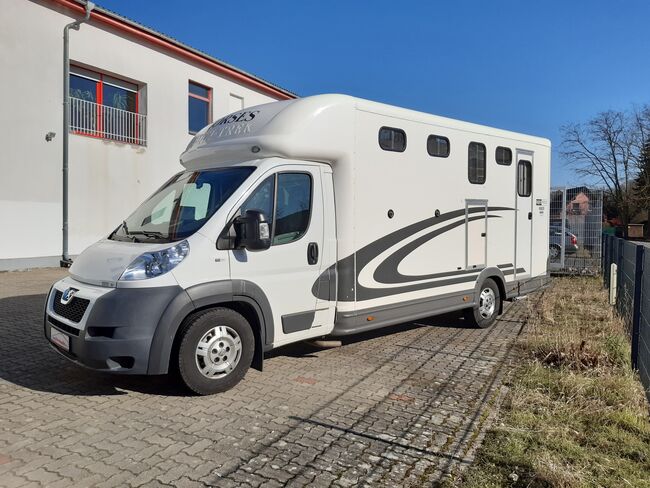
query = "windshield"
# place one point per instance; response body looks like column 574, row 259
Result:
column 181, row 206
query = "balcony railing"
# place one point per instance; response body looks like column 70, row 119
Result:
column 104, row 122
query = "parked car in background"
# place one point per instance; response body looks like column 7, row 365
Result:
column 555, row 242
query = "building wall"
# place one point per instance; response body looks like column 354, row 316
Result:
column 107, row 179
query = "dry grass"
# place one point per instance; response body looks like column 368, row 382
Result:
column 575, row 415
column 573, row 326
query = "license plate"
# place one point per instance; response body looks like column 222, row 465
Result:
column 60, row 339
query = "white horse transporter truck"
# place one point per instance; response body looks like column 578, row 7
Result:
column 321, row 216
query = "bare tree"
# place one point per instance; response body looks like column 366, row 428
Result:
column 604, row 150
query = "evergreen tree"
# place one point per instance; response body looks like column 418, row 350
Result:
column 642, row 184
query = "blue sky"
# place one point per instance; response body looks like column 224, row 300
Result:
column 528, row 66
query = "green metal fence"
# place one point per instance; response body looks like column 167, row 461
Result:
column 632, row 291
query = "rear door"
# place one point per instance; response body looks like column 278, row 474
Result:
column 524, row 222
column 291, row 197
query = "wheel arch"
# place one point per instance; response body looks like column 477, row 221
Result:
column 496, row 275
column 245, row 298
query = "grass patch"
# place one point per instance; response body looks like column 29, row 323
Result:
column 575, row 414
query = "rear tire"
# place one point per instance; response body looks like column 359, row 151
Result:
column 485, row 313
column 216, row 349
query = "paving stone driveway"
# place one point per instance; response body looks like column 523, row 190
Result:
column 398, row 407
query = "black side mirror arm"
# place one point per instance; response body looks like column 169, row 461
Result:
column 249, row 231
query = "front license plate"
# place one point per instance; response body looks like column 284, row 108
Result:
column 60, row 339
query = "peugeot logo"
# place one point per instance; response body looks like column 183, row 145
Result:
column 68, row 295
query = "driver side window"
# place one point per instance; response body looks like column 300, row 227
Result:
column 288, row 209
column 292, row 208
column 261, row 199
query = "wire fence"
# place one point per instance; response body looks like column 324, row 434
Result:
column 575, row 229
column 626, row 273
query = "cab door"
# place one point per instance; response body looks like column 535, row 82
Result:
column 292, row 199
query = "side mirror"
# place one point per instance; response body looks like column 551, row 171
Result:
column 252, row 231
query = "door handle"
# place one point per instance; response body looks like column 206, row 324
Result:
column 483, row 234
column 312, row 253
column 530, row 215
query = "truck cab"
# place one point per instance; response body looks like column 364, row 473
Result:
column 239, row 237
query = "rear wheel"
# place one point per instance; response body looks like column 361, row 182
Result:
column 216, row 350
column 484, row 314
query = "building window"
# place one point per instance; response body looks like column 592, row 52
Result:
column 438, row 146
column 235, row 103
column 503, row 156
column 199, row 107
column 476, row 163
column 524, row 178
column 391, row 139
column 105, row 107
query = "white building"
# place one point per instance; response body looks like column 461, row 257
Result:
column 137, row 97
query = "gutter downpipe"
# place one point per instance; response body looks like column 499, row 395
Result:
column 65, row 258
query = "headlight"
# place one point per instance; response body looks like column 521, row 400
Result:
column 152, row 264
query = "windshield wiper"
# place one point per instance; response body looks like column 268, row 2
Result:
column 148, row 233
column 127, row 233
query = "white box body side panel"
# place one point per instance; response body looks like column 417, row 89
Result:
column 414, row 185
column 439, row 239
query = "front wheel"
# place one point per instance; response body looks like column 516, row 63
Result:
column 216, row 350
column 484, row 314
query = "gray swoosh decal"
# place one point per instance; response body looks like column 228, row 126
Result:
column 512, row 271
column 349, row 289
column 387, row 271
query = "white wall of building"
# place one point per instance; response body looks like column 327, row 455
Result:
column 107, row 179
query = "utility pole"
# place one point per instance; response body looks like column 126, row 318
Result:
column 65, row 258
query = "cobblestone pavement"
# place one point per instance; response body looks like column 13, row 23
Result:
column 397, row 407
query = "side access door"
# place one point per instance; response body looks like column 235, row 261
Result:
column 291, row 197
column 524, row 214
column 476, row 227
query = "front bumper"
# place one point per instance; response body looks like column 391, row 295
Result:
column 116, row 331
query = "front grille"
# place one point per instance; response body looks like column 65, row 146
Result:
column 60, row 325
column 74, row 310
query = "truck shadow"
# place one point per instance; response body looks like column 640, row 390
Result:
column 307, row 350
column 28, row 360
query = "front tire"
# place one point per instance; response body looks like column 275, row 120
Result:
column 484, row 314
column 216, row 349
